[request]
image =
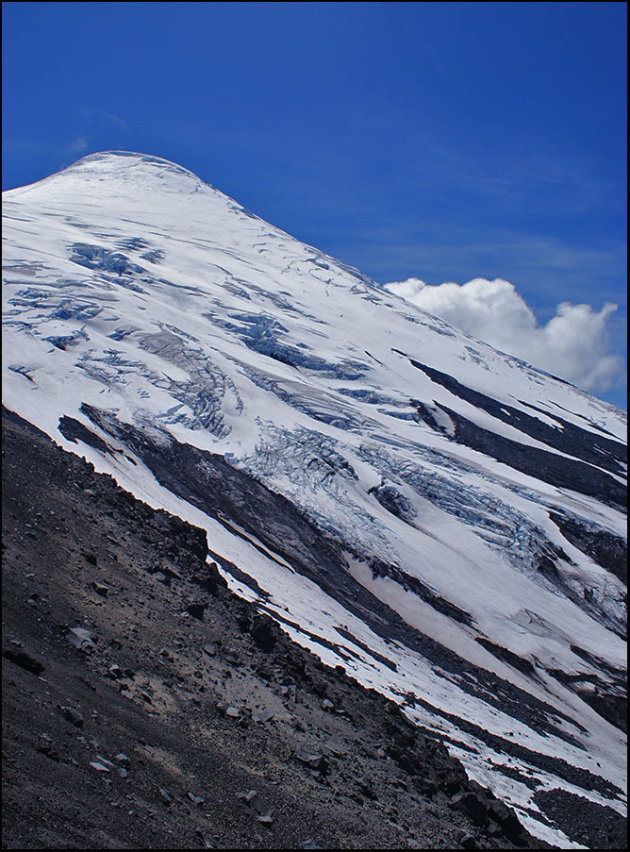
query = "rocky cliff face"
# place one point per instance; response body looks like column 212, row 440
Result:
column 440, row 519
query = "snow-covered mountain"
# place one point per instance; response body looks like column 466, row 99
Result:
column 441, row 519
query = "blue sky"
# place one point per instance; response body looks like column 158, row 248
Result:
column 444, row 141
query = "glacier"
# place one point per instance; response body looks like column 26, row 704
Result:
column 443, row 520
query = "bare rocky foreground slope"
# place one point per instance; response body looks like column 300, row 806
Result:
column 143, row 703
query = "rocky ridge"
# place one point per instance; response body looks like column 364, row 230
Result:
column 144, row 705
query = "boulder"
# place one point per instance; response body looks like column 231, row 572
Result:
column 24, row 660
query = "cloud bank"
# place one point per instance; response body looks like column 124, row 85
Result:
column 573, row 344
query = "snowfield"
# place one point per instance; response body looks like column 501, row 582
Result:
column 443, row 520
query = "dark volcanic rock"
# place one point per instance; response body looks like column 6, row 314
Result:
column 608, row 699
column 594, row 449
column 196, row 609
column 507, row 656
column 69, row 789
column 263, row 632
column 391, row 499
column 256, row 802
column 23, row 659
column 73, row 716
column 596, row 826
column 582, row 474
column 608, row 550
column 312, row 760
column 473, row 805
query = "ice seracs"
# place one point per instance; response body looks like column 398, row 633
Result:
column 441, row 519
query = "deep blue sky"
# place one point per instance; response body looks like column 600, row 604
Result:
column 439, row 140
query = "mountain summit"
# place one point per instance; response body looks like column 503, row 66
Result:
column 439, row 518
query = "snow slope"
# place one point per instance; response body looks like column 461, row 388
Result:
column 440, row 518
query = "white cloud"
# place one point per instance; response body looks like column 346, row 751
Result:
column 573, row 344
